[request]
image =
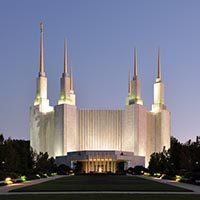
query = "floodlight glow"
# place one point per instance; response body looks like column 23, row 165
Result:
column 23, row 178
column 178, row 178
column 8, row 181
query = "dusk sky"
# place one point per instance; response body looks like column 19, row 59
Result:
column 101, row 36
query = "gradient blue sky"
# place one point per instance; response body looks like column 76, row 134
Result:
column 101, row 37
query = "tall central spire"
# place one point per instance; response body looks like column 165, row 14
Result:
column 65, row 58
column 135, row 64
column 41, row 73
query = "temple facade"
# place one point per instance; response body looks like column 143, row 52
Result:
column 99, row 138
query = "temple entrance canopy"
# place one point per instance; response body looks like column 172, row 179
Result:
column 100, row 161
column 99, row 165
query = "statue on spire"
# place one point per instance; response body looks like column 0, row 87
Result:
column 41, row 27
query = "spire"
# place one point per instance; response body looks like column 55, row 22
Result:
column 65, row 58
column 71, row 80
column 135, row 64
column 159, row 67
column 41, row 73
column 129, row 83
column 134, row 85
column 41, row 99
column 159, row 100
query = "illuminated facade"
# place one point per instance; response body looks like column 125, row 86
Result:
column 99, row 138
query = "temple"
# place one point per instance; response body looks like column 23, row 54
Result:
column 99, row 139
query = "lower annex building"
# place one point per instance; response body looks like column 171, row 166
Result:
column 98, row 138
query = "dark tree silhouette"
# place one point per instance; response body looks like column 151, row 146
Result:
column 17, row 158
column 179, row 159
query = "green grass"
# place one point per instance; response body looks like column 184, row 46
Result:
column 100, row 183
column 100, row 197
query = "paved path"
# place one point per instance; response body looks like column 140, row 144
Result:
column 194, row 188
column 7, row 188
column 98, row 192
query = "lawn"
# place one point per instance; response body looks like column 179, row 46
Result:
column 100, row 183
column 100, row 197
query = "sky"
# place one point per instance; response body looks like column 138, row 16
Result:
column 101, row 35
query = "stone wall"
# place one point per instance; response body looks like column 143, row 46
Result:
column 65, row 129
column 41, row 131
column 135, row 129
column 100, row 129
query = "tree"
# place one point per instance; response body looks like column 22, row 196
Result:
column 179, row 159
column 1, row 139
column 158, row 163
column 18, row 158
column 44, row 164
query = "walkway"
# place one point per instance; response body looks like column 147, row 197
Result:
column 99, row 192
column 194, row 188
column 7, row 188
